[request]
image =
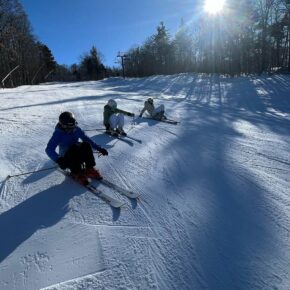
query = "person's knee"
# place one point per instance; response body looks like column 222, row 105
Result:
column 120, row 120
column 72, row 150
column 113, row 121
column 86, row 145
column 121, row 116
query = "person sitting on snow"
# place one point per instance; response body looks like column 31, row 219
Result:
column 114, row 118
column 155, row 113
column 75, row 155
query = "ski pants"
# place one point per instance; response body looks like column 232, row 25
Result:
column 117, row 121
column 158, row 112
column 78, row 156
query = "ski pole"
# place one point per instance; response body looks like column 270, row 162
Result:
column 99, row 154
column 96, row 129
column 35, row 171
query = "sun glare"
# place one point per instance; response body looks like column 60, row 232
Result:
column 213, row 6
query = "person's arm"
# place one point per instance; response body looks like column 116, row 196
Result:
column 106, row 114
column 144, row 109
column 142, row 112
column 124, row 112
column 51, row 146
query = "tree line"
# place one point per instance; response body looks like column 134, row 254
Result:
column 25, row 60
column 248, row 36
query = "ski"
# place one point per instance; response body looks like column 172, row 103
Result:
column 108, row 199
column 129, row 137
column 123, row 191
column 168, row 121
column 105, row 197
column 124, row 137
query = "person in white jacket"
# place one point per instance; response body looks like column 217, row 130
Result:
column 155, row 113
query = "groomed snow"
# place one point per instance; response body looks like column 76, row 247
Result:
column 215, row 206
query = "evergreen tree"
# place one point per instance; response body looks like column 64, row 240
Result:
column 162, row 49
column 183, row 50
column 91, row 66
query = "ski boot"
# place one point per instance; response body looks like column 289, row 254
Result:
column 93, row 173
column 112, row 133
column 121, row 132
column 80, row 178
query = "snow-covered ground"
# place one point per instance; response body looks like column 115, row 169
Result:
column 215, row 206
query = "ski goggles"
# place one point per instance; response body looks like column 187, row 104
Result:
column 69, row 126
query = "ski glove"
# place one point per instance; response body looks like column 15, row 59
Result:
column 131, row 114
column 61, row 162
column 103, row 151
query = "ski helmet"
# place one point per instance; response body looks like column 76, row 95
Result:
column 112, row 103
column 150, row 100
column 67, row 119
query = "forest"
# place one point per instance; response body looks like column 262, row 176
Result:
column 248, row 37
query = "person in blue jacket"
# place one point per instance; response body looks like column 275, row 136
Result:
column 73, row 154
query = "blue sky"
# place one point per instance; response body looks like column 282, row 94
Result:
column 71, row 27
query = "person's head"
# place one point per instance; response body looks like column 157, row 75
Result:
column 150, row 101
column 67, row 121
column 112, row 103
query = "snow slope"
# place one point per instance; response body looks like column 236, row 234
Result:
column 215, row 207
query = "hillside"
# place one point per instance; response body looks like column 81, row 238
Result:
column 215, row 205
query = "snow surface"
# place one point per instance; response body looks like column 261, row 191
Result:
column 215, row 206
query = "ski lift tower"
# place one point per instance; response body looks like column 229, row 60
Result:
column 123, row 56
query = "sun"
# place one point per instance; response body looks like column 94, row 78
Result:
column 214, row 6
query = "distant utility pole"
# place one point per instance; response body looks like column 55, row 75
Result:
column 122, row 56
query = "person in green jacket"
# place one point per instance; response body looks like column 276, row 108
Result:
column 114, row 118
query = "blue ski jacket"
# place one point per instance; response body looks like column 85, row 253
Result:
column 64, row 140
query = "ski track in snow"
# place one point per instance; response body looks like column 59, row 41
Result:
column 214, row 211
